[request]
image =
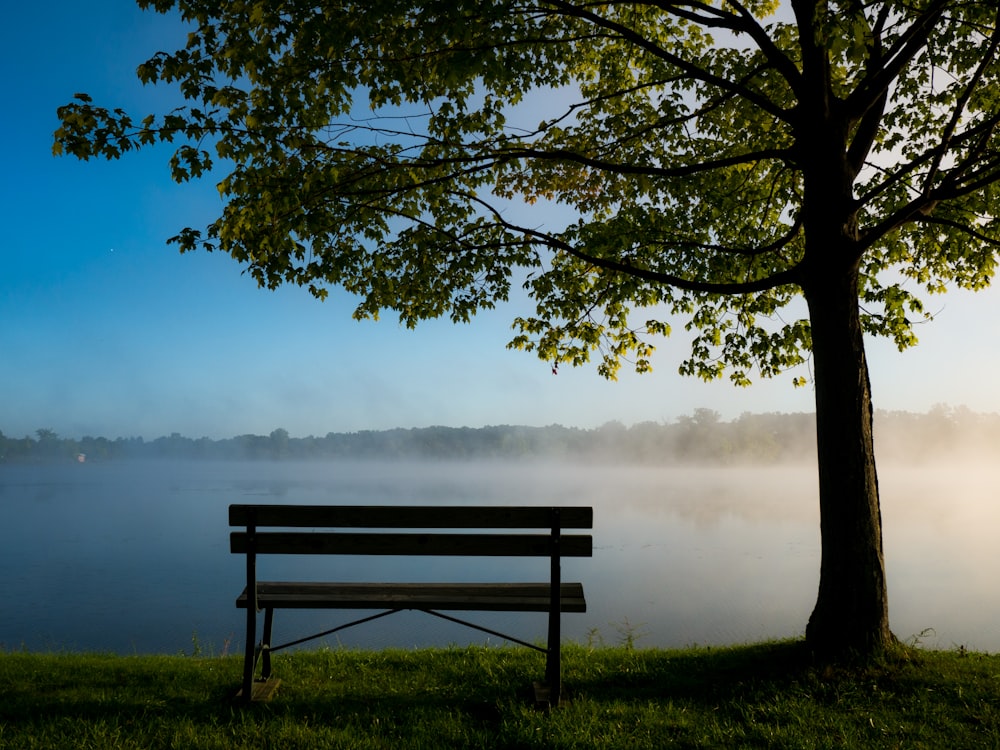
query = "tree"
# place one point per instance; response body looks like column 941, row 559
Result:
column 279, row 442
column 840, row 151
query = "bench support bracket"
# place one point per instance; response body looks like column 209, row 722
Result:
column 262, row 689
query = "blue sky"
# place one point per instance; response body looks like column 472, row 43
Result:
column 105, row 330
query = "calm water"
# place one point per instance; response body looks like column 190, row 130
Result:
column 134, row 557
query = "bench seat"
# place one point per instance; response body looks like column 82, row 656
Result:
column 494, row 597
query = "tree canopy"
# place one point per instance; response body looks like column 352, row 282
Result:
column 627, row 163
column 379, row 147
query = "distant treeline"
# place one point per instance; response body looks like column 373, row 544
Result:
column 702, row 437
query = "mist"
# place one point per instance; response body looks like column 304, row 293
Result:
column 132, row 556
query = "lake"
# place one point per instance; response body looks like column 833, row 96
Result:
column 134, row 557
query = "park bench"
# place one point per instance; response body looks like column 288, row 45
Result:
column 461, row 531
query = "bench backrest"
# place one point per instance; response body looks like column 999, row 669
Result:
column 452, row 530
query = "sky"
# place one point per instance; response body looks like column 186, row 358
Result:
column 105, row 330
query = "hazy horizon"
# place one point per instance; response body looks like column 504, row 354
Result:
column 940, row 436
column 937, row 407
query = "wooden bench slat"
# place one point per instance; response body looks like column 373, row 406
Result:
column 461, row 545
column 496, row 597
column 411, row 517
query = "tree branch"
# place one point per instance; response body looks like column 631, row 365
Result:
column 964, row 228
column 702, row 14
column 696, row 72
column 636, row 169
column 981, row 131
column 865, row 134
column 781, row 62
column 959, row 107
column 781, row 278
column 742, row 21
column 876, row 83
column 988, row 175
column 750, row 252
column 920, row 206
column 870, row 121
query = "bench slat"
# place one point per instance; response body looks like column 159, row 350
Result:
column 456, row 545
column 495, row 597
column 409, row 516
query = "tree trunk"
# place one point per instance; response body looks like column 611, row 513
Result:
column 851, row 613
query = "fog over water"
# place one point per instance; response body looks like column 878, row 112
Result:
column 133, row 556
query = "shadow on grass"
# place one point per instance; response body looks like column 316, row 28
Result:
column 199, row 689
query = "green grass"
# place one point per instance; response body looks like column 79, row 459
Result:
column 769, row 696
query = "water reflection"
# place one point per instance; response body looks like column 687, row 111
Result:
column 134, row 557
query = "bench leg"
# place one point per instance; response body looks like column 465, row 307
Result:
column 265, row 644
column 553, row 660
column 249, row 654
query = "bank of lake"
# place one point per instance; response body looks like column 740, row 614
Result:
column 772, row 695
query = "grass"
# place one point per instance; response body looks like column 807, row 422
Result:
column 763, row 696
